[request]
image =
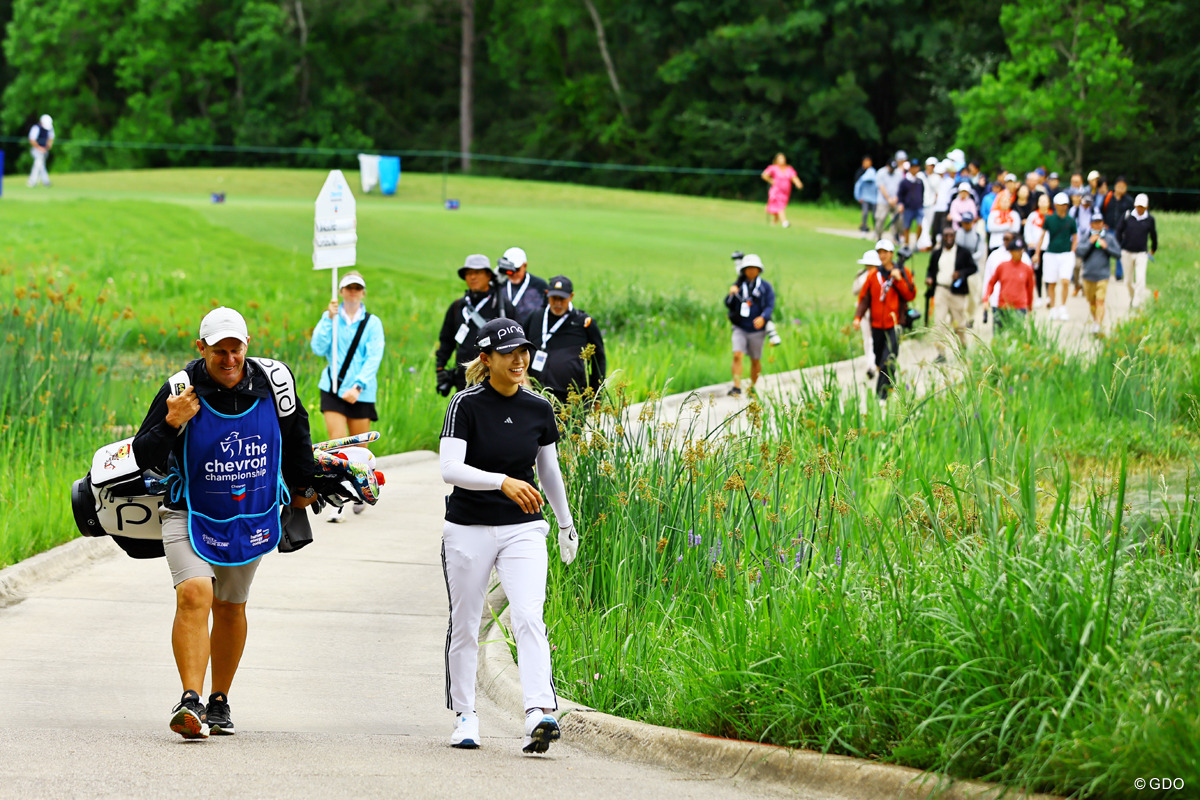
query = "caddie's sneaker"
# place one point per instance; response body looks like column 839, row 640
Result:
column 735, row 392
column 216, row 714
column 540, row 730
column 187, row 718
column 336, row 514
column 466, row 731
column 359, row 507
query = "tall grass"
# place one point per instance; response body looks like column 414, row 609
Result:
column 959, row 583
column 58, row 356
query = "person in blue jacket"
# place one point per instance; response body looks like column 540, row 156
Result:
column 360, row 344
column 864, row 192
column 749, row 303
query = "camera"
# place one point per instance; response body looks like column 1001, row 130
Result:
column 505, row 266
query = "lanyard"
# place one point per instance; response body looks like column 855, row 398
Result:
column 469, row 313
column 546, row 334
column 520, row 293
column 746, row 292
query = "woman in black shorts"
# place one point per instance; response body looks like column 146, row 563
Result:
column 496, row 431
column 360, row 346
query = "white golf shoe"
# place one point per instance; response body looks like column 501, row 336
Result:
column 466, row 731
column 541, row 730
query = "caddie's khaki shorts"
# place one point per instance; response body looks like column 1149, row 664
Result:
column 230, row 584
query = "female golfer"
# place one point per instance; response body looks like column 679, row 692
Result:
column 496, row 431
column 782, row 178
column 350, row 410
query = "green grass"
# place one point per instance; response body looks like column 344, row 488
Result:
column 651, row 268
column 975, row 582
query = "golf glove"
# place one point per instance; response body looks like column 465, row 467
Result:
column 568, row 543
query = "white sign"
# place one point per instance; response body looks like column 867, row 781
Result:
column 334, row 237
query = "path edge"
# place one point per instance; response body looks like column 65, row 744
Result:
column 715, row 757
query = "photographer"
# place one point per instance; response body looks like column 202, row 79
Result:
column 885, row 293
column 483, row 301
column 525, row 292
column 749, row 303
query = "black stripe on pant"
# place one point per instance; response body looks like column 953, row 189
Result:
column 449, row 630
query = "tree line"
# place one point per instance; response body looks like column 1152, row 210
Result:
column 1106, row 84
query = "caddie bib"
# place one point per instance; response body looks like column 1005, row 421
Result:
column 232, row 483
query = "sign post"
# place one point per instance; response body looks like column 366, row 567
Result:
column 335, row 241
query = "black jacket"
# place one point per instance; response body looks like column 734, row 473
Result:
column 1116, row 209
column 157, row 442
column 564, row 368
column 497, row 306
column 1133, row 233
column 964, row 265
column 532, row 300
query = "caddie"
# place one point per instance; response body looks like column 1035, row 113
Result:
column 234, row 457
column 524, row 290
column 561, row 335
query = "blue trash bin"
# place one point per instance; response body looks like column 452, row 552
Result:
column 1, row 173
column 389, row 174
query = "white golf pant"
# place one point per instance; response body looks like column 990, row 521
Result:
column 518, row 552
column 1135, row 275
column 38, row 173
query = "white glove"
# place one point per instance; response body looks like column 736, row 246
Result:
column 568, row 543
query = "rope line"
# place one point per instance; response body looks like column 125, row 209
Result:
column 348, row 151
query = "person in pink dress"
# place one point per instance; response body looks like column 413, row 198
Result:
column 782, row 178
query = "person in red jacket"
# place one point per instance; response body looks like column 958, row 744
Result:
column 1016, row 282
column 886, row 290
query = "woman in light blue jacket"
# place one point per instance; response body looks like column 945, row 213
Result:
column 864, row 192
column 352, row 409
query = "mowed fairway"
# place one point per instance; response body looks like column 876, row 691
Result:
column 164, row 220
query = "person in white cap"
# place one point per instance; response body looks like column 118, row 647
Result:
column 885, row 294
column 525, row 292
column 41, row 139
column 1138, row 236
column 1056, row 253
column 750, row 303
column 360, row 345
column 496, row 432
column 941, row 207
column 869, row 262
column 234, row 459
column 964, row 202
column 933, row 181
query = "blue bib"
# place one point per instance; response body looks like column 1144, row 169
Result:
column 232, row 483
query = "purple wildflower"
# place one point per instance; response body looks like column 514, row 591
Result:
column 799, row 558
column 837, row 557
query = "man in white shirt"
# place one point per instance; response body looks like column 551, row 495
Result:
column 933, row 181
column 41, row 139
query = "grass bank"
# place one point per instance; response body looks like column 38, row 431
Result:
column 965, row 583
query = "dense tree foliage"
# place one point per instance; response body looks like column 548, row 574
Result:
column 709, row 83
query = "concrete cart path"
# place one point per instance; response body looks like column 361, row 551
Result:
column 340, row 692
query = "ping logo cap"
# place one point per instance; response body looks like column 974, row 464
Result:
column 501, row 335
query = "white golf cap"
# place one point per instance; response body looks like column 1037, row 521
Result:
column 885, row 244
column 1010, row 177
column 941, row 169
column 749, row 260
column 870, row 259
column 223, row 323
column 1061, row 199
column 1142, row 200
column 351, row 279
column 517, row 256
column 931, row 161
column 45, row 121
column 963, row 186
column 1093, row 175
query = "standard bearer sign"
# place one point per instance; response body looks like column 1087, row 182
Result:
column 334, row 238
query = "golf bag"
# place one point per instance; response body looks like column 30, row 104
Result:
column 119, row 498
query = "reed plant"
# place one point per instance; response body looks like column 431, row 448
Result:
column 957, row 582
